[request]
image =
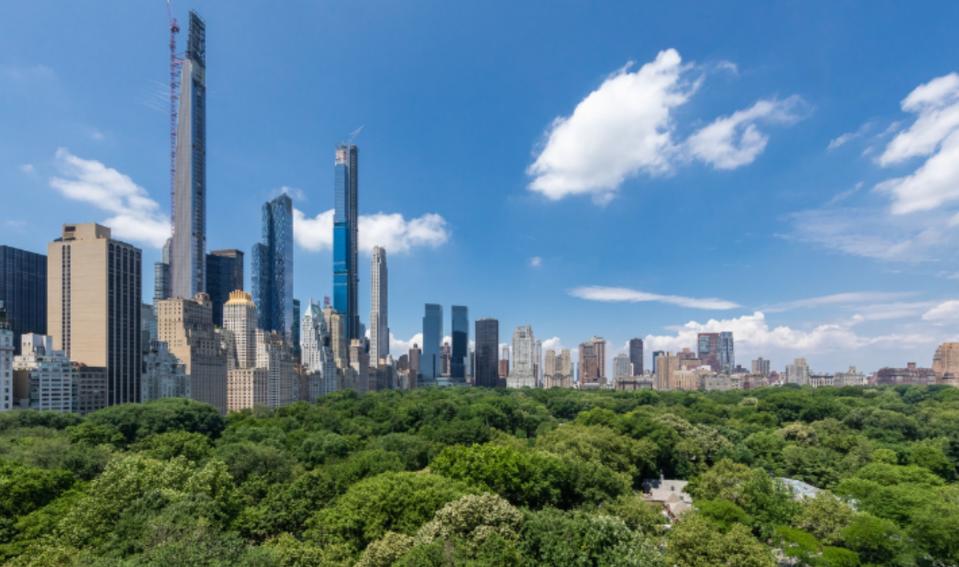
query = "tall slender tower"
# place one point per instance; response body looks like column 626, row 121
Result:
column 430, row 364
column 379, row 307
column 461, row 340
column 188, row 244
column 487, row 353
column 272, row 270
column 346, row 237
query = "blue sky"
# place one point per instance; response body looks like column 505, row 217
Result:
column 786, row 171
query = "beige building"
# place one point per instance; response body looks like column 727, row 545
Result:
column 274, row 355
column 945, row 363
column 93, row 305
column 592, row 363
column 247, row 388
column 667, row 364
column 239, row 317
column 186, row 326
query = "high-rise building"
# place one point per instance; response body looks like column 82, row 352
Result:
column 416, row 363
column 538, row 363
column 636, row 356
column 667, row 365
column 431, row 364
column 563, row 375
column 707, row 348
column 224, row 273
column 760, row 366
column 460, row 327
column 445, row 355
column 6, row 361
column 240, row 319
column 92, row 387
column 317, row 352
column 164, row 376
column 42, row 377
column 162, row 280
column 622, row 366
column 186, row 326
column 272, row 268
column 487, row 355
column 247, row 388
column 522, row 374
column 338, row 340
column 93, row 305
column 656, row 354
column 346, row 237
column 295, row 331
column 188, row 244
column 727, row 352
column 592, row 363
column 379, row 307
column 23, row 289
column 798, row 372
column 945, row 363
column 359, row 367
column 274, row 354
column 504, row 363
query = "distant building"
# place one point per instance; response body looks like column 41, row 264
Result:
column 760, row 367
column 487, row 353
column 522, row 374
column 186, row 326
column 911, row 374
column 504, row 363
column 272, row 268
column 23, row 290
column 851, row 377
column 162, row 280
column 224, row 273
column 415, row 357
column 431, row 362
column 945, row 363
column 557, row 369
column 43, row 377
column 636, row 356
column 274, row 354
column 379, row 307
column 346, row 239
column 317, row 352
column 93, row 305
column 92, row 387
column 460, row 329
column 666, row 366
column 6, row 361
column 670, row 494
column 707, row 347
column 592, row 363
column 656, row 354
column 798, row 372
column 727, row 352
column 248, row 388
column 360, row 366
column 164, row 376
column 622, row 367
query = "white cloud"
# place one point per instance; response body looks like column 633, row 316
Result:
column 136, row 216
column 619, row 130
column 391, row 231
column 553, row 343
column 937, row 105
column 890, row 311
column 735, row 140
column 399, row 347
column 935, row 182
column 97, row 135
column 846, row 137
column 26, row 168
column 295, row 193
column 622, row 294
column 535, row 262
column 843, row 298
column 945, row 311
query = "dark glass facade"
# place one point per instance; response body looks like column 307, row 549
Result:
column 636, row 356
column 461, row 340
column 272, row 268
column 345, row 237
column 431, row 362
column 224, row 273
column 487, row 353
column 23, row 290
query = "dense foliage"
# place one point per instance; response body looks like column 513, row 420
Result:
column 479, row 477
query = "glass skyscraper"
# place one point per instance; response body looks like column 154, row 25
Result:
column 23, row 289
column 224, row 273
column 272, row 268
column 461, row 340
column 430, row 363
column 487, row 353
column 636, row 356
column 188, row 243
column 727, row 352
column 345, row 237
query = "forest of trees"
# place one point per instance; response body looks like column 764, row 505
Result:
column 468, row 476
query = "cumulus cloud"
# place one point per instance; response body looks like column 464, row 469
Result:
column 947, row 311
column 623, row 294
column 389, row 230
column 399, row 347
column 135, row 215
column 736, row 140
column 626, row 127
column 295, row 193
column 934, row 183
column 553, row 343
column 535, row 262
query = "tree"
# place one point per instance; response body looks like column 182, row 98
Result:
column 695, row 542
column 876, row 540
column 580, row 539
column 824, row 516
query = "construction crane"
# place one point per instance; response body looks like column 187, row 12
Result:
column 174, row 96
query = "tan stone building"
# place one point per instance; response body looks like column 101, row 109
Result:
column 93, row 305
column 945, row 363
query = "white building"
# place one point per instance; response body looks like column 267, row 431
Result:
column 851, row 377
column 622, row 367
column 45, row 376
column 379, row 305
column 798, row 372
column 6, row 362
column 239, row 318
column 164, row 376
column 522, row 373
column 316, row 352
column 273, row 354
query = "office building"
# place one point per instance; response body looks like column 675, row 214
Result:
column 23, row 289
column 431, row 364
column 274, row 354
column 186, row 326
column 379, row 307
column 272, row 268
column 162, row 280
column 188, row 243
column 224, row 273
column 6, row 361
column 798, row 372
column 92, row 387
column 592, row 363
column 459, row 355
column 240, row 320
column 164, row 376
column 707, row 348
column 415, row 361
column 945, row 363
column 487, row 353
column 93, row 305
column 247, row 388
column 538, row 363
column 622, row 367
column 295, row 331
column 761, row 367
column 636, row 356
column 727, row 352
column 346, row 238
column 522, row 374
column 504, row 363
column 317, row 353
column 42, row 377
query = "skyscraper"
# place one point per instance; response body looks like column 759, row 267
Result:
column 239, row 317
column 379, row 307
column 461, row 340
column 6, row 361
column 224, row 274
column 161, row 274
column 295, row 332
column 23, row 289
column 592, row 363
column 727, row 352
column 186, row 326
column 656, row 354
column 431, row 362
column 487, row 355
column 188, row 245
column 346, row 237
column 636, row 356
column 316, row 348
column 272, row 268
column 504, row 363
column 761, row 367
column 522, row 374
column 93, row 305
column 707, row 348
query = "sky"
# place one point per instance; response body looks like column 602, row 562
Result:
column 785, row 171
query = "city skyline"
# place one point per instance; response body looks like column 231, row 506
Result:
column 873, row 309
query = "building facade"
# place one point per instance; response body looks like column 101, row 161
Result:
column 727, row 352
column 93, row 305
column 487, row 353
column 43, row 377
column 761, row 367
column 707, row 350
column 6, row 361
column 317, row 353
column 164, row 376
column 224, row 274
column 188, row 243
column 23, row 290
column 162, row 280
column 592, row 363
column 379, row 307
column 945, row 363
column 431, row 363
column 636, row 356
column 523, row 374
column 459, row 350
column 272, row 268
column 346, row 237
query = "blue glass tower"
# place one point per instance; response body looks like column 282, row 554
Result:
column 345, row 238
column 272, row 268
column 461, row 338
column 430, row 363
column 23, row 289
